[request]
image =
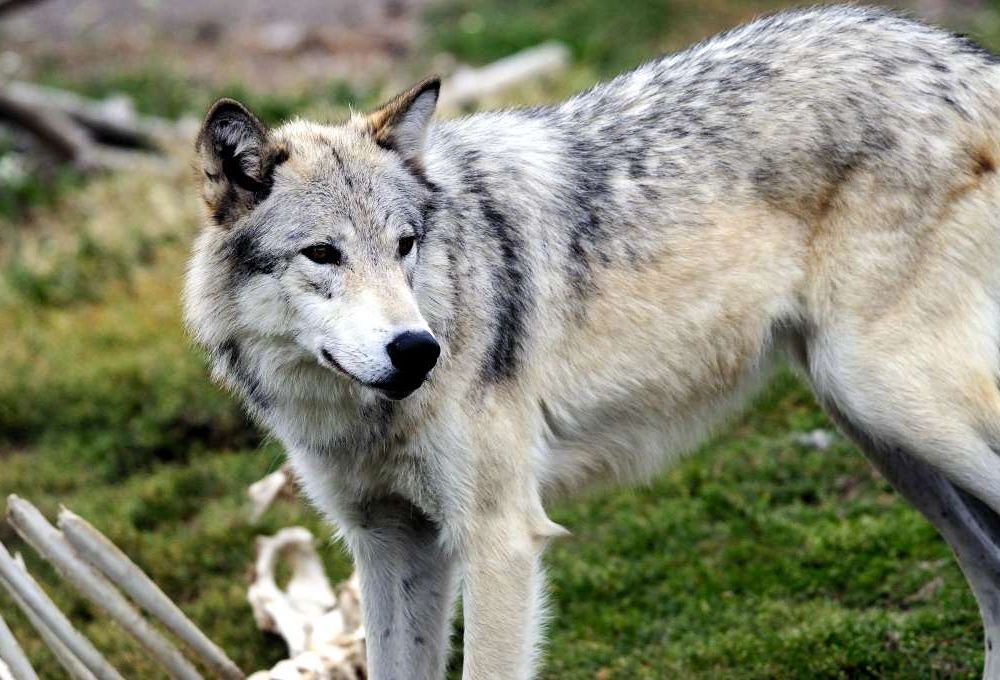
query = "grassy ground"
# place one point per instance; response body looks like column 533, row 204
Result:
column 756, row 558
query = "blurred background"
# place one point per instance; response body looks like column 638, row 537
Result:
column 774, row 552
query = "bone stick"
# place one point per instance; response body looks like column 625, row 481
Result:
column 97, row 549
column 30, row 596
column 468, row 84
column 13, row 656
column 322, row 631
column 276, row 610
column 72, row 665
column 263, row 492
column 50, row 544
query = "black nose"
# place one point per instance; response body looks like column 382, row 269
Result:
column 414, row 354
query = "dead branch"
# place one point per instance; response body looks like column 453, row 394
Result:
column 468, row 85
column 111, row 121
column 56, row 132
column 9, row 6
column 72, row 665
column 322, row 626
column 68, row 141
column 87, row 134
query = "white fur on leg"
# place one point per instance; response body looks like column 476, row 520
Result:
column 504, row 603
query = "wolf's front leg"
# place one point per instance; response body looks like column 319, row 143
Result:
column 502, row 535
column 408, row 587
column 502, row 597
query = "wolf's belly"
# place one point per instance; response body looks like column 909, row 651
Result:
column 638, row 432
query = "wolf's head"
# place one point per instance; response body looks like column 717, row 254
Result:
column 314, row 240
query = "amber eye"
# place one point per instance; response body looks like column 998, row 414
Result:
column 406, row 245
column 323, row 253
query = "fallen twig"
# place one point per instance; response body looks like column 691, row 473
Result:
column 110, row 121
column 72, row 665
column 8, row 6
column 321, row 626
column 88, row 134
column 55, row 131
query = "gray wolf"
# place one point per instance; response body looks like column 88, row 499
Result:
column 447, row 324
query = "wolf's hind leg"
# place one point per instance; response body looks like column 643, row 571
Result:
column 923, row 404
column 970, row 527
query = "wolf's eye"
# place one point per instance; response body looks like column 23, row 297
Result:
column 406, row 245
column 323, row 253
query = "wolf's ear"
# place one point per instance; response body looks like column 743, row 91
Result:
column 238, row 158
column 401, row 123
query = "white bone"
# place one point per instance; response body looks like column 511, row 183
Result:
column 50, row 544
column 13, row 662
column 29, row 596
column 100, row 552
column 321, row 628
column 264, row 491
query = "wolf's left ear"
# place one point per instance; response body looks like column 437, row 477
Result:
column 238, row 158
column 401, row 123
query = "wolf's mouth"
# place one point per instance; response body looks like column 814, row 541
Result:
column 336, row 364
column 394, row 393
column 394, row 390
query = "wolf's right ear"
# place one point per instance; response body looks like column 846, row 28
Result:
column 401, row 123
column 237, row 157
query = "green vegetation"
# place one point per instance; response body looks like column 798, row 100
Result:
column 480, row 31
column 755, row 558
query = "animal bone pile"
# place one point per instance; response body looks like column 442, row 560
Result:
column 321, row 626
